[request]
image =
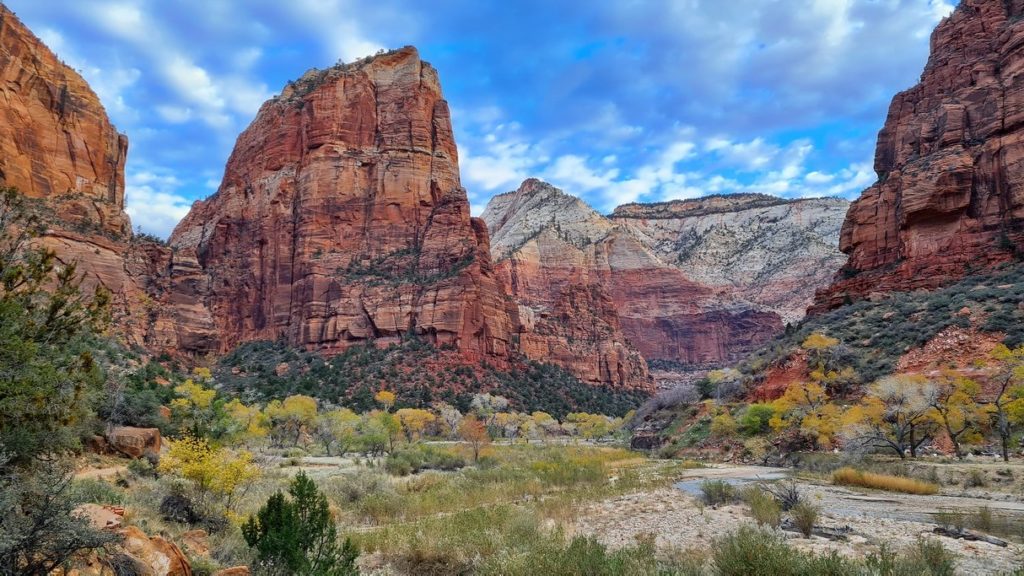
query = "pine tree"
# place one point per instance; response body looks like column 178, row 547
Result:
column 297, row 535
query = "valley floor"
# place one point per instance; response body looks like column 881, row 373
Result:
column 679, row 520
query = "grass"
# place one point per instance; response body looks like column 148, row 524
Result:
column 852, row 477
column 764, row 508
column 804, row 516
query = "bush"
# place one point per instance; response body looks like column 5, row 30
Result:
column 413, row 460
column 975, row 479
column 356, row 487
column 297, row 535
column 852, row 477
column 982, row 519
column 950, row 519
column 763, row 507
column 753, row 551
column 933, row 556
column 717, row 492
column 804, row 516
column 755, row 419
column 95, row 491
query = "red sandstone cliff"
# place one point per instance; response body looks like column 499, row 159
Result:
column 58, row 147
column 341, row 219
column 950, row 163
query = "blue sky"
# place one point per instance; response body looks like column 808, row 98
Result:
column 612, row 100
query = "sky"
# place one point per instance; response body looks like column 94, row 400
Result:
column 614, row 101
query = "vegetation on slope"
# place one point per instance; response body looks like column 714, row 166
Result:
column 418, row 372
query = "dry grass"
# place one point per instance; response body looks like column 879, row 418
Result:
column 853, row 477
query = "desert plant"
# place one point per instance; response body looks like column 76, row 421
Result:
column 804, row 516
column 950, row 519
column 716, row 492
column 763, row 506
column 975, row 479
column 753, row 551
column 852, row 477
column 982, row 518
column 786, row 493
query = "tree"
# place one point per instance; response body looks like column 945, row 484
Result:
column 386, row 399
column 49, row 381
column 806, row 407
column 39, row 530
column 1007, row 407
column 415, row 422
column 894, row 415
column 391, row 427
column 755, row 419
column 297, row 535
column 194, row 408
column 450, row 416
column 289, row 418
column 473, row 432
column 955, row 406
column 337, row 429
column 545, row 424
column 243, row 422
column 212, row 471
column 509, row 423
column 485, row 406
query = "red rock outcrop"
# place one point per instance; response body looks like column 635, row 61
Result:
column 58, row 147
column 950, row 163
column 56, row 142
column 341, row 219
column 134, row 442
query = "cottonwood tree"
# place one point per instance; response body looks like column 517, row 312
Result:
column 956, row 407
column 337, row 430
column 415, row 422
column 893, row 415
column 289, row 418
column 806, row 406
column 1007, row 406
column 474, row 433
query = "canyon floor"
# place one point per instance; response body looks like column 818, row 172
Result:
column 681, row 522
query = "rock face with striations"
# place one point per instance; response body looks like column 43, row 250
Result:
column 551, row 254
column 698, row 283
column 341, row 219
column 769, row 251
column 58, row 148
column 950, row 162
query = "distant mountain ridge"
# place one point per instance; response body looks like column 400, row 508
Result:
column 695, row 282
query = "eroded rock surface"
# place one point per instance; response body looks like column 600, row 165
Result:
column 950, row 161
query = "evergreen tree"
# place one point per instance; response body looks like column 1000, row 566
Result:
column 297, row 535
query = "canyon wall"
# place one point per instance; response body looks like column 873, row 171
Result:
column 950, row 161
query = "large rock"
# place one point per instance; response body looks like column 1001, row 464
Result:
column 950, row 161
column 134, row 442
column 341, row 219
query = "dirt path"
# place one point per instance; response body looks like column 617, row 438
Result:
column 679, row 520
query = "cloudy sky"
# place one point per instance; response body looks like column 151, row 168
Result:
column 612, row 100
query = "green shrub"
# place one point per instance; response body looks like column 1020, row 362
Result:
column 982, row 519
column 975, row 479
column 930, row 554
column 297, row 535
column 717, row 492
column 764, row 507
column 412, row 460
column 755, row 552
column 804, row 516
column 95, row 491
column 755, row 419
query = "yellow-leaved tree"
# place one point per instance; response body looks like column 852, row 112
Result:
column 337, row 430
column 415, row 422
column 806, row 407
column 956, row 406
column 288, row 419
column 193, row 410
column 895, row 414
column 1007, row 405
column 385, row 398
column 212, row 472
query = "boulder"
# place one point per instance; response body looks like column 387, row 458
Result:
column 134, row 442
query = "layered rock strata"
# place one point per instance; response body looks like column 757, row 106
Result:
column 949, row 199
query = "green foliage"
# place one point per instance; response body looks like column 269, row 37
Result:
column 755, row 419
column 49, row 381
column 717, row 492
column 38, row 531
column 297, row 535
column 422, row 457
column 763, row 507
column 418, row 373
column 804, row 516
column 95, row 491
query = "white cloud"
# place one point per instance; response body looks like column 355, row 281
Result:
column 153, row 202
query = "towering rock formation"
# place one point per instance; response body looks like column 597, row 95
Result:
column 552, row 255
column 58, row 148
column 698, row 283
column 341, row 219
column 56, row 143
column 950, row 162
